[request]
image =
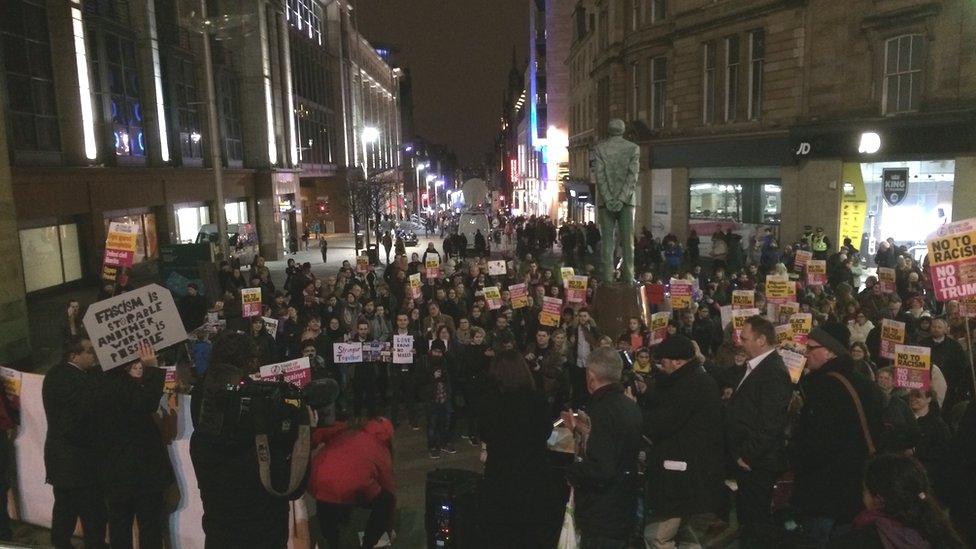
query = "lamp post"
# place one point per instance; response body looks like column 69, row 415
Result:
column 430, row 178
column 368, row 135
column 420, row 167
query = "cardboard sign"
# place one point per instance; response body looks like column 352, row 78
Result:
column 784, row 334
column 892, row 334
column 433, row 266
column 739, row 317
column 551, row 313
column 816, row 272
column 780, row 289
column 801, row 259
column 497, row 268
column 795, row 363
column 801, row 323
column 565, row 273
column 362, row 264
column 952, row 260
column 743, row 299
column 402, row 349
column 119, row 324
column 886, row 278
column 519, row 294
column 250, row 302
column 659, row 326
column 576, row 289
column 298, row 372
column 415, row 286
column 12, row 381
column 271, row 326
column 913, row 366
column 373, row 351
column 347, row 353
column 680, row 294
column 493, row 296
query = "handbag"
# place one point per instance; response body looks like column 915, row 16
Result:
column 868, row 440
column 568, row 537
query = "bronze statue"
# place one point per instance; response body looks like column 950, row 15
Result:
column 614, row 164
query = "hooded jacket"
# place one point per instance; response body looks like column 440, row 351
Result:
column 353, row 466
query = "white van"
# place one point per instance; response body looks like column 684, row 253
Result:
column 242, row 241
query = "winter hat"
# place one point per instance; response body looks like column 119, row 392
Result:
column 676, row 347
column 438, row 345
column 832, row 335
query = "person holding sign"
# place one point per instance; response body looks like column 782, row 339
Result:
column 408, row 347
column 950, row 357
column 838, row 427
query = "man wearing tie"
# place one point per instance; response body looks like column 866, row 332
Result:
column 754, row 424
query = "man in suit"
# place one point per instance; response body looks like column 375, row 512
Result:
column 754, row 426
column 70, row 454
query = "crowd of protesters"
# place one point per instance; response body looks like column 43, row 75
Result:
column 675, row 434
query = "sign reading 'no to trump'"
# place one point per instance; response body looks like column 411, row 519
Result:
column 952, row 260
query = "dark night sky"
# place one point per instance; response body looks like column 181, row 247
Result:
column 459, row 53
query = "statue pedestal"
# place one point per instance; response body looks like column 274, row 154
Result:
column 613, row 304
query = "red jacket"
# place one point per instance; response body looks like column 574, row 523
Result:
column 353, row 466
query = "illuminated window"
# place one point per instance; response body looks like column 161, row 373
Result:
column 180, row 76
column 50, row 256
column 229, row 104
column 115, row 84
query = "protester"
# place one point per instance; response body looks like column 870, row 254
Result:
column 436, row 387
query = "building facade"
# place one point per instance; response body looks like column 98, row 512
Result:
column 784, row 113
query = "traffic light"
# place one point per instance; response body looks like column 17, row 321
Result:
column 323, row 207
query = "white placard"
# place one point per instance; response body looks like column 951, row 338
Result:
column 347, row 353
column 496, row 268
column 271, row 326
column 402, row 349
column 297, row 372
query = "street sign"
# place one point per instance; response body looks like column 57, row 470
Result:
column 894, row 183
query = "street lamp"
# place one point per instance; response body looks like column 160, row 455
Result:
column 369, row 135
column 420, row 166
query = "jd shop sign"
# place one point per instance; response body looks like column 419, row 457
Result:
column 894, row 185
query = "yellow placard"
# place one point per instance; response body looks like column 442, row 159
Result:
column 743, row 299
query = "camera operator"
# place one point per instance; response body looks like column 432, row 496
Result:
column 229, row 416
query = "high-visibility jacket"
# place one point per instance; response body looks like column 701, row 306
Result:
column 818, row 243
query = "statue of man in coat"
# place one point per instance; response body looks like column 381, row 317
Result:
column 614, row 165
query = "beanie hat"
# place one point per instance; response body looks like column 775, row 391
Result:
column 676, row 347
column 438, row 345
column 832, row 335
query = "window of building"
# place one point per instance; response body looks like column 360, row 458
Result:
column 228, row 97
column 904, row 56
column 604, row 29
column 708, row 84
column 306, row 16
column 659, row 84
column 180, row 75
column 579, row 18
column 635, row 16
column 635, row 90
column 657, row 10
column 115, row 85
column 757, row 56
column 27, row 69
column 731, row 78
column 751, row 201
column 189, row 219
column 236, row 212
column 50, row 256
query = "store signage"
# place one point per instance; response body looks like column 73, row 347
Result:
column 894, row 183
column 803, row 149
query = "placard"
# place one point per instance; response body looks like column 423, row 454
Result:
column 565, row 273
column 801, row 259
column 659, row 326
column 786, row 311
column 12, row 380
column 362, row 264
column 816, row 272
column 886, row 278
column 551, row 313
column 415, row 286
column 576, row 289
column 801, row 323
column 795, row 363
column 913, row 367
column 892, row 334
column 680, row 294
column 347, row 353
column 519, row 294
column 493, row 296
column 120, row 248
column 739, row 317
column 169, row 380
column 250, row 302
column 967, row 306
column 373, row 351
column 743, row 299
column 780, row 289
column 952, row 260
column 432, row 265
column 298, row 372
column 271, row 326
column 654, row 294
column 784, row 334
column 116, row 326
column 402, row 349
column 725, row 312
column 497, row 268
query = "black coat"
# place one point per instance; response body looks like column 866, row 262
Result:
column 134, row 458
column 828, row 450
column 683, row 420
column 70, row 448
column 951, row 358
column 520, row 484
column 755, row 416
column 606, row 477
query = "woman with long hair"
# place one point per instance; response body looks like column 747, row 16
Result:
column 900, row 510
column 521, row 501
column 932, row 448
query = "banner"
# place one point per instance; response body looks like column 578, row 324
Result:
column 801, row 259
column 551, row 313
column 347, row 353
column 374, row 351
column 298, row 372
column 913, row 367
column 576, row 289
column 952, row 260
column 743, row 299
column 271, row 326
column 362, row 264
column 493, row 295
column 892, row 334
column 739, row 317
column 119, row 324
column 415, row 286
column 497, row 268
column 816, row 272
column 801, row 323
column 780, row 289
column 794, row 363
column 250, row 302
column 12, row 380
column 680, row 294
column 519, row 294
column 886, row 278
column 784, row 334
column 402, row 349
column 659, row 326
column 433, row 266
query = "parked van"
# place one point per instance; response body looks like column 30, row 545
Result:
column 242, row 241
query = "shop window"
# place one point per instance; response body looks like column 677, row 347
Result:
column 659, row 87
column 708, row 84
column 903, row 73
column 26, row 56
column 757, row 59
column 50, row 256
column 731, row 77
column 736, row 201
column 189, row 219
column 236, row 212
column 147, row 245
